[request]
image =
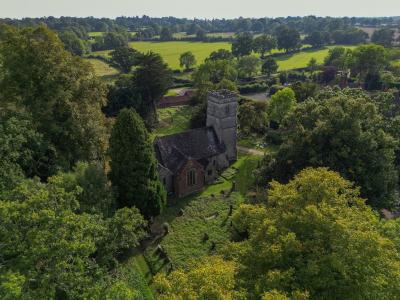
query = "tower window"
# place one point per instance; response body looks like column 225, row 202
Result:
column 191, row 177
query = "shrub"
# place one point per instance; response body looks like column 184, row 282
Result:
column 252, row 88
column 275, row 88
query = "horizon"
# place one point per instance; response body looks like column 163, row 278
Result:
column 206, row 9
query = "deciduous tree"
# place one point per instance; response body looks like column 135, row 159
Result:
column 124, row 58
column 341, row 130
column 269, row 66
column 281, row 103
column 264, row 44
column 152, row 78
column 243, row 44
column 187, row 60
column 315, row 239
column 58, row 91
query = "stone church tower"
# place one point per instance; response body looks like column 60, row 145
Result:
column 222, row 115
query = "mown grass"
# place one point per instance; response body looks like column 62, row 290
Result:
column 301, row 59
column 95, row 33
column 102, row 69
column 205, row 213
column 171, row 51
column 136, row 273
column 173, row 120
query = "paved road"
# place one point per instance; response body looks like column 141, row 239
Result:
column 250, row 151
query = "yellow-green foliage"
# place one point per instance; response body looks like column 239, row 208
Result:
column 317, row 237
column 210, row 278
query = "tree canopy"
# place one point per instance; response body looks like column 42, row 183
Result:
column 314, row 238
column 243, row 44
column 124, row 58
column 341, row 130
column 187, row 60
column 58, row 92
column 281, row 103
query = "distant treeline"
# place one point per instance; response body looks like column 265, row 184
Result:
column 146, row 26
column 315, row 31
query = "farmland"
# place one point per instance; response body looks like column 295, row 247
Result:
column 171, row 51
column 102, row 69
column 300, row 59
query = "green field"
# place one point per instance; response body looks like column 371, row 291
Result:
column 301, row 59
column 102, row 69
column 171, row 51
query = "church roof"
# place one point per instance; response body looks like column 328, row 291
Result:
column 173, row 151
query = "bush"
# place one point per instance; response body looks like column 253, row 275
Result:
column 253, row 88
column 275, row 88
column 199, row 117
column 296, row 76
column 273, row 136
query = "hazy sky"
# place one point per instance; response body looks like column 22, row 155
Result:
column 198, row 8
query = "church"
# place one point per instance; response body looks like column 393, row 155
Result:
column 190, row 160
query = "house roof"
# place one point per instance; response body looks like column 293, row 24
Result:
column 173, row 151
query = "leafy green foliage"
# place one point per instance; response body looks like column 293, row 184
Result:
column 315, row 237
column 369, row 59
column 287, row 38
column 269, row 66
column 253, row 117
column 210, row 278
column 341, row 130
column 317, row 38
column 264, row 44
column 73, row 43
column 248, row 66
column 111, row 40
column 383, row 36
column 96, row 196
column 187, row 60
column 58, row 92
column 243, row 44
column 50, row 250
column 220, row 54
column 133, row 165
column 124, row 58
column 152, row 78
column 282, row 102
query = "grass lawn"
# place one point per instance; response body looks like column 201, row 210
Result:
column 301, row 59
column 102, row 69
column 95, row 33
column 253, row 142
column 205, row 212
column 173, row 120
column 171, row 51
column 136, row 273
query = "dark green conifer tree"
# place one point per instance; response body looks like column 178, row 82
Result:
column 133, row 165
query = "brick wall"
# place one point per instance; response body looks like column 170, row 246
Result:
column 181, row 183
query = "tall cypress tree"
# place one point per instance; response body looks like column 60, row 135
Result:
column 133, row 165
